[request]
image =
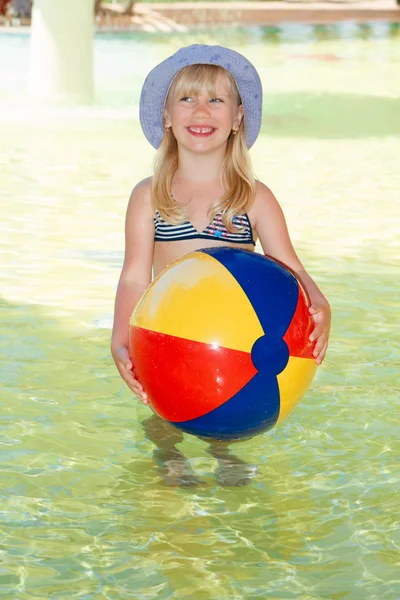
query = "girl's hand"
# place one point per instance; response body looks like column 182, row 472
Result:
column 322, row 319
column 125, row 368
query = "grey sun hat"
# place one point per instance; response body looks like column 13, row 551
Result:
column 158, row 82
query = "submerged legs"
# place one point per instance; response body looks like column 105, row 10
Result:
column 231, row 470
column 171, row 463
column 174, row 467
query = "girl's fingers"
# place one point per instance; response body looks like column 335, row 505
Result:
column 132, row 383
column 135, row 386
column 320, row 349
column 322, row 354
column 129, row 375
column 135, row 382
column 137, row 389
column 316, row 333
column 319, row 345
column 319, row 333
column 125, row 368
column 142, row 397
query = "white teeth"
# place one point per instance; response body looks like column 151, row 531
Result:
column 201, row 129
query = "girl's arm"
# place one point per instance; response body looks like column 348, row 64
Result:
column 274, row 237
column 135, row 276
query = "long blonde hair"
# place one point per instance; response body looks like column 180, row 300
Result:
column 236, row 173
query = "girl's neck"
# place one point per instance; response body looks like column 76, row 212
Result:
column 199, row 168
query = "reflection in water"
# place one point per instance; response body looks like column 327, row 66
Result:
column 85, row 513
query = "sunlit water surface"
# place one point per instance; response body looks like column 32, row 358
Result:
column 86, row 512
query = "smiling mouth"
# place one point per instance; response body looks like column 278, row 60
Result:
column 201, row 131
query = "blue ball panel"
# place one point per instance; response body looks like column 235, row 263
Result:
column 270, row 287
column 255, row 408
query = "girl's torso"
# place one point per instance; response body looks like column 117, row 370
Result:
column 167, row 232
column 173, row 241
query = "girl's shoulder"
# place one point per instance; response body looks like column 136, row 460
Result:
column 264, row 199
column 140, row 204
column 142, row 191
column 140, row 198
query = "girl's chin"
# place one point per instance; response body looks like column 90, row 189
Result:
column 203, row 144
column 205, row 149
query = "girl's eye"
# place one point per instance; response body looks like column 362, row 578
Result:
column 190, row 99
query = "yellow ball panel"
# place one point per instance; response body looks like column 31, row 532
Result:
column 197, row 298
column 293, row 383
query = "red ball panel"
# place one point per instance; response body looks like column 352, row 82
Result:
column 300, row 328
column 208, row 375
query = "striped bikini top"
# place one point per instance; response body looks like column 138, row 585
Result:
column 167, row 232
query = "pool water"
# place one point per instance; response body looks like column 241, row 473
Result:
column 87, row 511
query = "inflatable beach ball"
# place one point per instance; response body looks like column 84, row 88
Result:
column 219, row 342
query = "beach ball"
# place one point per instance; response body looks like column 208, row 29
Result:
column 219, row 341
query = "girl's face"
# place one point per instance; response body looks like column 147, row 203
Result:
column 203, row 117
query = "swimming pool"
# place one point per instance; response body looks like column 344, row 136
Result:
column 86, row 512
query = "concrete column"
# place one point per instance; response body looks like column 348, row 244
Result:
column 62, row 50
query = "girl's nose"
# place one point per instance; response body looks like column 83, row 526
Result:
column 202, row 108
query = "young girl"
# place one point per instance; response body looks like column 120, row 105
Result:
column 202, row 109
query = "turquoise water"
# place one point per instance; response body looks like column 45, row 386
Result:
column 87, row 510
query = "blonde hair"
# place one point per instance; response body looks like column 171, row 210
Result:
column 237, row 177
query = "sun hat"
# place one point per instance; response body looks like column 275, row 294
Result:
column 156, row 86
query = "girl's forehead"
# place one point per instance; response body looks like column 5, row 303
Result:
column 217, row 87
column 205, row 84
column 204, row 80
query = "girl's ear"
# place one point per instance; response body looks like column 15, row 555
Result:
column 239, row 117
column 167, row 120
